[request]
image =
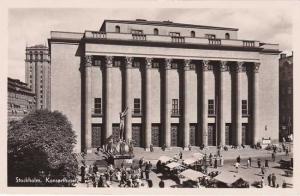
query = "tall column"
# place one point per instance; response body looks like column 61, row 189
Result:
column 107, row 106
column 204, row 104
column 166, row 102
column 128, row 98
column 186, row 122
column 255, row 102
column 221, row 122
column 238, row 105
column 88, row 101
column 148, row 103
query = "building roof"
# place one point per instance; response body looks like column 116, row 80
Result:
column 38, row 46
column 18, row 86
column 168, row 23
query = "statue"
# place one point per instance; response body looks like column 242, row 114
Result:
column 122, row 122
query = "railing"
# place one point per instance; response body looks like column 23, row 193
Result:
column 214, row 41
column 137, row 113
column 248, row 43
column 175, row 112
column 175, row 39
column 140, row 37
column 96, row 112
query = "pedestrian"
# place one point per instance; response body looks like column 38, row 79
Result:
column 262, row 170
column 273, row 180
column 248, row 163
column 164, row 147
column 267, row 163
column 273, row 156
column 95, row 168
column 250, row 160
column 269, row 179
column 180, row 155
column 238, row 159
column 216, row 163
column 118, row 175
column 237, row 164
column 82, row 173
column 262, row 182
column 161, row 184
column 141, row 162
column 211, row 161
column 151, row 148
column 258, row 163
column 287, row 151
column 190, row 147
column 221, row 161
column 219, row 152
column 150, row 183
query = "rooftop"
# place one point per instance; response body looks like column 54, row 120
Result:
column 168, row 23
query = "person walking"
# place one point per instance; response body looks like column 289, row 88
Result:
column 151, row 148
column 262, row 182
column 250, row 160
column 273, row 180
column 237, row 165
column 287, row 151
column 258, row 163
column 262, row 170
column 216, row 163
column 221, row 161
column 238, row 159
column 267, row 163
column 82, row 173
column 269, row 179
column 180, row 155
column 161, row 184
column 248, row 163
column 273, row 156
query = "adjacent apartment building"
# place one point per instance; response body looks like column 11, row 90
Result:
column 286, row 95
column 21, row 101
column 183, row 84
column 38, row 74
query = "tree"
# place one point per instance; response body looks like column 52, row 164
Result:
column 39, row 145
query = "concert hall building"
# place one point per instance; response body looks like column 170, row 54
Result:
column 183, row 84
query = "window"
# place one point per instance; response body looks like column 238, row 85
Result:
column 137, row 106
column 36, row 56
column 175, row 107
column 97, row 105
column 41, row 91
column 155, row 31
column 41, row 56
column 193, row 34
column 117, row 29
column 117, row 63
column 137, row 32
column 211, row 107
column 97, row 62
column 155, row 65
column 210, row 36
column 30, row 56
column 136, row 64
column 244, row 107
column 227, row 36
column 30, row 76
column 138, row 35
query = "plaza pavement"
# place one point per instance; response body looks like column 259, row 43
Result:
column 250, row 174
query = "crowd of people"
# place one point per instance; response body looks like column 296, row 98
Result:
column 122, row 177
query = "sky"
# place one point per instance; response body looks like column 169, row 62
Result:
column 27, row 26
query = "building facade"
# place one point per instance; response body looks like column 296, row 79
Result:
column 183, row 84
column 285, row 95
column 38, row 74
column 20, row 102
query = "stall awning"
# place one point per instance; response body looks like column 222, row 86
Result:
column 164, row 159
column 227, row 177
column 198, row 155
column 190, row 161
column 192, row 174
column 173, row 165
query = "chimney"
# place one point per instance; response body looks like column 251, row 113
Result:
column 282, row 55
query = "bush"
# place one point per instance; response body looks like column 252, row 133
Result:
column 39, row 146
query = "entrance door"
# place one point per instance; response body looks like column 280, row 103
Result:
column 174, row 135
column 245, row 134
column 96, row 135
column 211, row 131
column 228, row 134
column 137, row 134
column 116, row 132
column 193, row 134
column 155, row 135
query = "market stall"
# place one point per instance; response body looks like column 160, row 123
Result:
column 229, row 179
column 189, row 177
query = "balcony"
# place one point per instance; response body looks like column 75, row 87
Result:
column 137, row 113
column 96, row 112
column 176, row 39
column 175, row 113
